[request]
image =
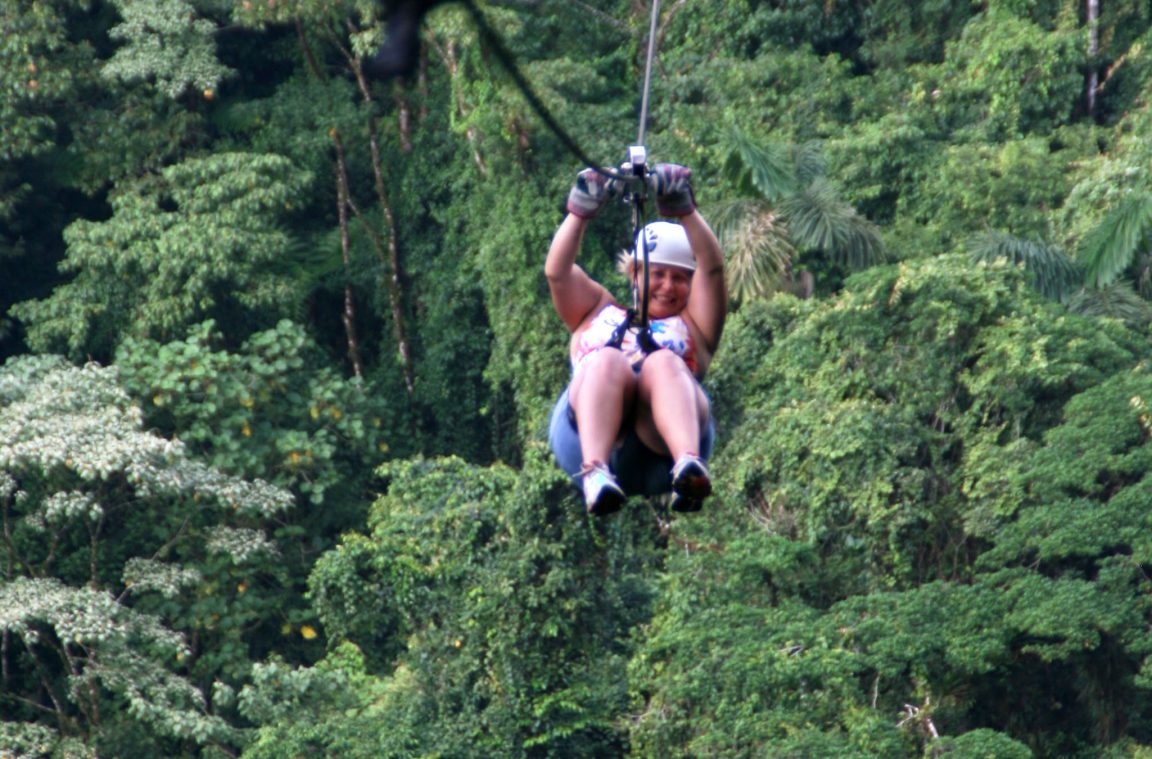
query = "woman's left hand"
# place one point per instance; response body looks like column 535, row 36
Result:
column 672, row 186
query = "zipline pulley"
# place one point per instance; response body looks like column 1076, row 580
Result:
column 636, row 195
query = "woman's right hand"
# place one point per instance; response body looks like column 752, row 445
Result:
column 590, row 192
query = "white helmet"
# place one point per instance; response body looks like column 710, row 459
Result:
column 667, row 245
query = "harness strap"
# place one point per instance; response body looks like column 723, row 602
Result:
column 644, row 337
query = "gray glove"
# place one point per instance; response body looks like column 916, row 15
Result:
column 670, row 183
column 590, row 192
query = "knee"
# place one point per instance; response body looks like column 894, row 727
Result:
column 663, row 364
column 608, row 363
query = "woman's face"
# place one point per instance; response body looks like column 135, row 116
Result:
column 668, row 288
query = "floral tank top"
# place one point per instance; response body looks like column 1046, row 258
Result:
column 671, row 333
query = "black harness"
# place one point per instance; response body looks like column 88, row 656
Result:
column 644, row 337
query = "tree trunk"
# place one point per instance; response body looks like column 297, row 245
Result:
column 1093, row 18
column 348, row 316
column 395, row 292
column 389, row 252
column 451, row 63
column 403, row 117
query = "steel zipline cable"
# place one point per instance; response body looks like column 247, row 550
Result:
column 639, row 245
column 648, row 72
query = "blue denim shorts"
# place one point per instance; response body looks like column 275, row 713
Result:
column 638, row 469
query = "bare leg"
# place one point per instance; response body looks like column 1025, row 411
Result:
column 602, row 390
column 672, row 408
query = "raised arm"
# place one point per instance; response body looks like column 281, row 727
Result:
column 575, row 295
column 708, row 301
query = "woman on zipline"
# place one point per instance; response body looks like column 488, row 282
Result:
column 634, row 419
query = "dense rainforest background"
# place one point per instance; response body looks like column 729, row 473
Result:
column 278, row 357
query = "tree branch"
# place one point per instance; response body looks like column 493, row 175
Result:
column 389, row 253
column 343, row 195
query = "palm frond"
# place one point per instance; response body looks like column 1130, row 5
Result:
column 1050, row 271
column 765, row 170
column 1109, row 249
column 312, row 260
column 819, row 220
column 1117, row 300
column 808, row 158
column 758, row 253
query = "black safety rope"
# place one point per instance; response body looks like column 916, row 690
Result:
column 492, row 42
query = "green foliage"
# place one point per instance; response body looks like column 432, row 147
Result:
column 272, row 409
column 68, row 134
column 24, row 740
column 928, row 533
column 166, row 43
column 903, row 545
column 971, row 189
column 1051, row 272
column 525, row 348
column 982, row 743
column 1115, row 178
column 798, row 222
column 1110, row 249
column 735, row 664
column 336, row 706
column 509, row 613
column 296, row 121
column 1118, row 300
column 33, row 37
column 819, row 220
column 1006, row 76
column 459, row 411
column 758, row 252
column 200, row 240
column 36, row 71
column 770, row 171
column 314, row 12
column 898, row 33
column 110, row 535
column 110, row 653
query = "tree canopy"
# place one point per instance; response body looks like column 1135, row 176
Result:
column 277, row 358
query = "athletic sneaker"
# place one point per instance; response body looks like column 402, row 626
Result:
column 602, row 494
column 691, row 483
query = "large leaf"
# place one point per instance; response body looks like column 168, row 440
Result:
column 758, row 253
column 767, row 170
column 1109, row 249
column 1116, row 300
column 1050, row 271
column 819, row 220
